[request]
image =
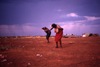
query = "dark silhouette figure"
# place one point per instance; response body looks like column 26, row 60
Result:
column 48, row 33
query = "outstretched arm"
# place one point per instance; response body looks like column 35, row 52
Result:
column 51, row 28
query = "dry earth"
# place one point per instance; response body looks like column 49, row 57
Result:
column 36, row 52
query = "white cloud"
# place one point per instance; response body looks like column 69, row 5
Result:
column 85, row 18
column 69, row 15
column 91, row 18
column 72, row 15
column 78, row 27
column 71, row 27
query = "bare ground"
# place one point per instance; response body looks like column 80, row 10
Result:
column 36, row 52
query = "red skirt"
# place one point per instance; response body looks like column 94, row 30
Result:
column 58, row 35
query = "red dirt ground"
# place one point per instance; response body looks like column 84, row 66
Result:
column 36, row 52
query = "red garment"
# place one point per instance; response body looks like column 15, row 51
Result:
column 58, row 35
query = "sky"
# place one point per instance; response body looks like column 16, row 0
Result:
column 27, row 17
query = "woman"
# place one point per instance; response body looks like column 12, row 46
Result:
column 48, row 32
column 59, row 33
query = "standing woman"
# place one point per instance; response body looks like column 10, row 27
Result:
column 48, row 32
column 59, row 33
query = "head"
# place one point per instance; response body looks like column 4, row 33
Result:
column 53, row 25
column 44, row 28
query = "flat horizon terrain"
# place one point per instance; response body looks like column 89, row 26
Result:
column 36, row 52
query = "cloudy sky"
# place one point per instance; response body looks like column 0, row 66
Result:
column 27, row 17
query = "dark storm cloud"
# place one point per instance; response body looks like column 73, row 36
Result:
column 26, row 11
column 18, row 16
column 19, row 1
column 10, row 1
column 23, row 11
column 89, row 7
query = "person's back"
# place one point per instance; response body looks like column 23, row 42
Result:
column 48, row 32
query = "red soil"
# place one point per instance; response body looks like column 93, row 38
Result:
column 36, row 52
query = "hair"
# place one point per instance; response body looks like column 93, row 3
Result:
column 54, row 25
column 44, row 28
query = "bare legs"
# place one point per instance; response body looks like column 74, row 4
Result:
column 48, row 36
column 60, row 42
column 56, row 44
column 47, row 39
